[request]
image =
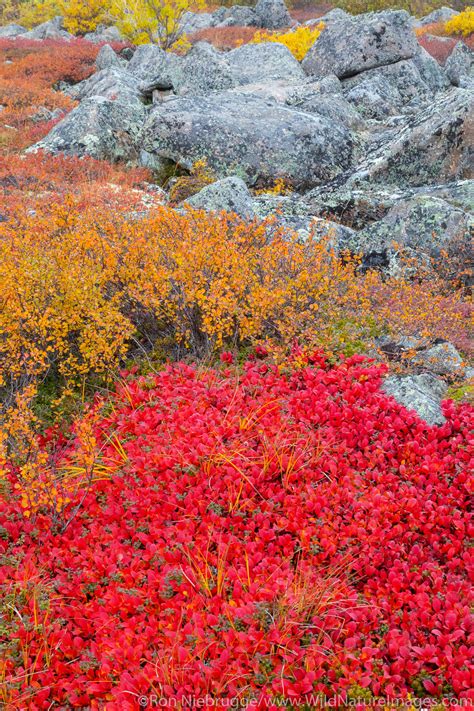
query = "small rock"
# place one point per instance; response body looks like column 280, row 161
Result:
column 229, row 195
column 442, row 14
column 272, row 14
column 422, row 393
column 441, row 359
column 460, row 64
column 107, row 58
column 12, row 30
column 53, row 29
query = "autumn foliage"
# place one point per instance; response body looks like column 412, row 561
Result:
column 241, row 512
column 258, row 534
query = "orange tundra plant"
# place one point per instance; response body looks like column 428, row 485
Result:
column 80, row 286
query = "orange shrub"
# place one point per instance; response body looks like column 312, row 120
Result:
column 224, row 37
column 80, row 285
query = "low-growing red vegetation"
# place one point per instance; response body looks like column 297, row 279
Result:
column 267, row 534
column 224, row 37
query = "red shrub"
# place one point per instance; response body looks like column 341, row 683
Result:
column 224, row 37
column 264, row 534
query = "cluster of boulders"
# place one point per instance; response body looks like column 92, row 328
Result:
column 373, row 137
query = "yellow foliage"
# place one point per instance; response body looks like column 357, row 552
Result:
column 81, row 16
column 279, row 187
column 462, row 24
column 34, row 13
column 157, row 21
column 298, row 41
column 188, row 185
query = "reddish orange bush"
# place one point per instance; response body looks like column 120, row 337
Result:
column 29, row 72
column 224, row 37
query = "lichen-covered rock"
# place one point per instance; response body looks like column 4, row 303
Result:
column 229, row 195
column 334, row 107
column 202, row 70
column 418, row 228
column 257, row 140
column 195, row 21
column 12, row 30
column 99, row 128
column 460, row 64
column 53, row 29
column 399, row 84
column 263, row 62
column 360, row 206
column 238, row 15
column 374, row 97
column 153, row 68
column 103, row 34
column 334, row 15
column 355, row 44
column 422, row 393
column 272, row 14
column 107, row 58
column 442, row 14
column 114, row 83
column 430, row 71
column 442, row 359
column 434, row 146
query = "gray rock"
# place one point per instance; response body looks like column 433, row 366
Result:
column 355, row 44
column 422, row 393
column 459, row 64
column 418, row 228
column 334, row 108
column 399, row 84
column 263, row 62
column 374, row 97
column 290, row 212
column 99, row 128
column 257, row 140
column 42, row 113
column 201, row 71
column 442, row 14
column 277, row 90
column 434, row 146
column 107, row 58
column 441, row 359
column 229, row 195
column 430, row 72
column 115, row 84
column 238, row 15
column 359, row 207
column 334, row 15
column 53, row 29
column 153, row 67
column 272, row 14
column 12, row 31
column 195, row 21
column 103, row 34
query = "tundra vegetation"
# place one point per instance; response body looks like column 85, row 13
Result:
column 236, row 396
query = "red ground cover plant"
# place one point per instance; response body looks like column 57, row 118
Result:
column 30, row 73
column 258, row 533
